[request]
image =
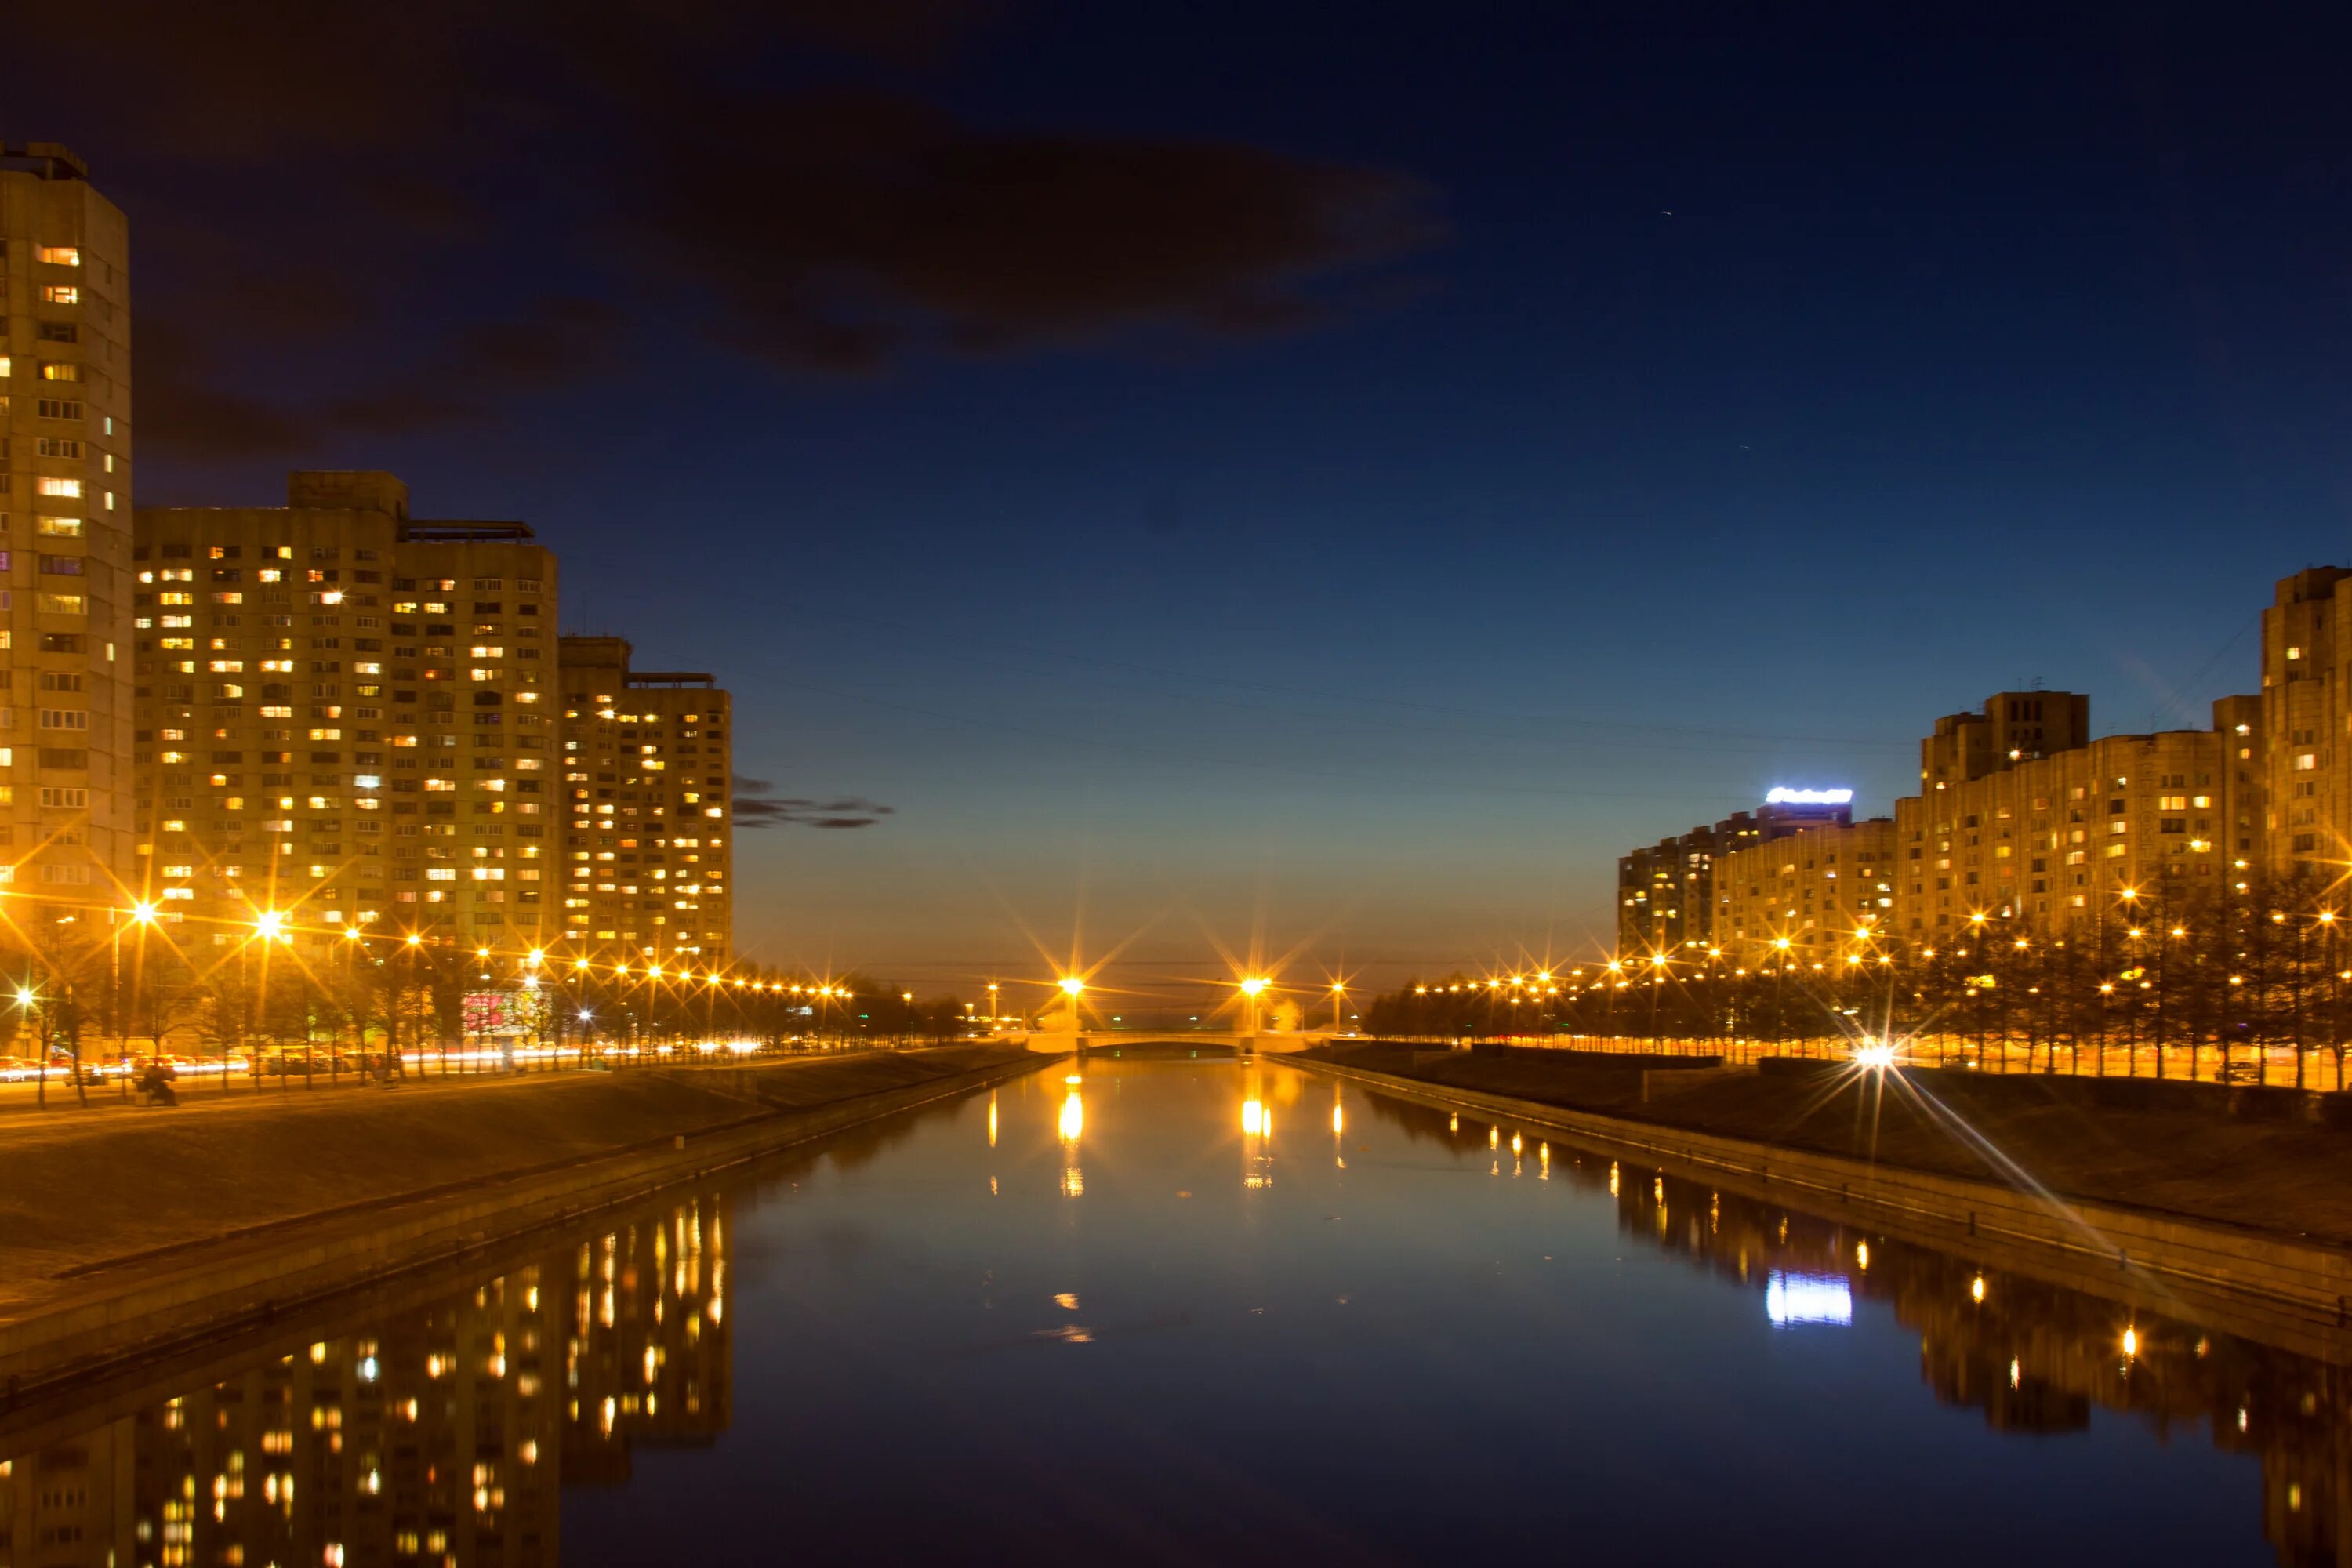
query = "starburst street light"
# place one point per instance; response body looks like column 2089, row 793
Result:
column 1072, row 985
column 270, row 925
column 143, row 913
column 1253, row 985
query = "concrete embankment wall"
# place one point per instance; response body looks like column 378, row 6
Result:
column 2282, row 1289
column 122, row 1238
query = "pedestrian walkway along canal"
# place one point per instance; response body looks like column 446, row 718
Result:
column 1195, row 1310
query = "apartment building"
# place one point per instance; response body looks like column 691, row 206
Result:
column 1812, row 887
column 2021, row 815
column 66, row 697
column 2307, row 714
column 345, row 714
column 648, row 771
column 1666, row 892
column 2012, row 727
column 2074, row 835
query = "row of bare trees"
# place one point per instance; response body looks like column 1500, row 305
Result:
column 91, row 999
column 2250, row 980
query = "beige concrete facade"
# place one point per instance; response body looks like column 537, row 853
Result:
column 347, row 715
column 1812, row 888
column 2058, row 839
column 2063, row 839
column 2307, row 716
column 1666, row 897
column 649, row 779
column 66, row 680
column 2012, row 727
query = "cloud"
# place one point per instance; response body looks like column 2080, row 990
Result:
column 466, row 382
column 833, row 232
column 327, row 202
column 755, row 808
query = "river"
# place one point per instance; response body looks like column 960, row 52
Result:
column 1201, row 1312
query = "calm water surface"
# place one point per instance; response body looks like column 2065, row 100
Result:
column 1207, row 1313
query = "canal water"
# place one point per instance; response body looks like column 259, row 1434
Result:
column 1204, row 1311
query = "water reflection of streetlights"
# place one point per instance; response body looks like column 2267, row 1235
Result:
column 1074, row 1123
column 1258, row 1141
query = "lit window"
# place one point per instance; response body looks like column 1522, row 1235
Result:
column 60, row 294
column 60, row 370
column 51, row 486
column 63, row 528
column 58, row 255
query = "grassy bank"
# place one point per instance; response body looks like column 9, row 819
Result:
column 2286, row 1176
column 101, row 1199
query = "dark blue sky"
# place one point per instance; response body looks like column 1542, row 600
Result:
column 1207, row 465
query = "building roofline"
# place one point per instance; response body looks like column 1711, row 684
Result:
column 49, row 160
column 438, row 530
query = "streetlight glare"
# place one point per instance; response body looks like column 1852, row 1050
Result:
column 1073, row 984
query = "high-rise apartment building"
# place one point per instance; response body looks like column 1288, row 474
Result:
column 648, row 775
column 2021, row 815
column 347, row 714
column 66, row 703
column 1666, row 892
column 1811, row 887
column 2012, row 727
column 2306, row 713
column 2072, row 836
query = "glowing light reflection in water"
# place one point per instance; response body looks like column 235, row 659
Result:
column 857, row 1323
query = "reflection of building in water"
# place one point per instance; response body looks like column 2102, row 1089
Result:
column 70, row 1502
column 2035, row 1358
column 648, row 1358
column 442, row 1437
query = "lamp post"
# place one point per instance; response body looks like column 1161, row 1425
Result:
column 354, row 944
column 2326, row 919
column 415, row 940
column 1251, row 989
column 27, row 1006
column 142, row 915
column 1075, row 988
column 269, row 928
